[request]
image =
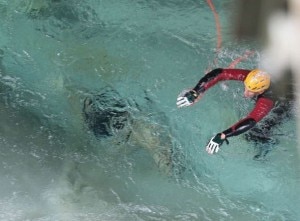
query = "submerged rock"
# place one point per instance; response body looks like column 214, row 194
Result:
column 108, row 115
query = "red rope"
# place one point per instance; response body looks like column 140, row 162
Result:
column 218, row 26
column 241, row 58
column 219, row 38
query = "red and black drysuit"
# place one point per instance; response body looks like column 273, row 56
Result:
column 264, row 101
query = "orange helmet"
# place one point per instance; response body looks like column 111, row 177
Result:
column 257, row 81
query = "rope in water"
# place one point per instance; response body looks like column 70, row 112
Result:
column 219, row 39
column 218, row 24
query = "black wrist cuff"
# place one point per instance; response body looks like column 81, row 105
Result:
column 239, row 128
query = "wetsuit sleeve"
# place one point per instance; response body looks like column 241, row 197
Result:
column 219, row 74
column 262, row 108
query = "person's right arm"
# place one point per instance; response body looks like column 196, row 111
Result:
column 189, row 97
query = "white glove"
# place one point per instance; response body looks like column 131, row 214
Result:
column 186, row 98
column 214, row 144
column 212, row 147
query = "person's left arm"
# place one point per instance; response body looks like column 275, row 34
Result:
column 262, row 108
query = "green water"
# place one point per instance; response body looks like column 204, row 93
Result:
column 57, row 53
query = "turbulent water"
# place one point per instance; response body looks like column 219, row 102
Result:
column 89, row 126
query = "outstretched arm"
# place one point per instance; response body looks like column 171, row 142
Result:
column 219, row 74
column 262, row 108
column 189, row 97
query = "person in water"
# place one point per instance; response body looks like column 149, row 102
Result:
column 258, row 87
